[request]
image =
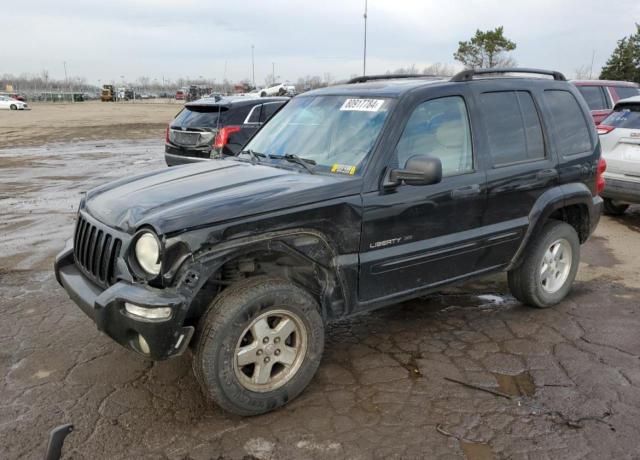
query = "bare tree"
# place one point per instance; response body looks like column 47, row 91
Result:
column 583, row 72
column 439, row 69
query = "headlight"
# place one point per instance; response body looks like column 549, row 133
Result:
column 148, row 253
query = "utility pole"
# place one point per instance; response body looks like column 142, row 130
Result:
column 273, row 73
column 593, row 56
column 364, row 60
column 66, row 79
column 253, row 68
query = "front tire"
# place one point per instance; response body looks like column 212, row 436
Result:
column 260, row 345
column 546, row 274
column 13, row 107
column 612, row 208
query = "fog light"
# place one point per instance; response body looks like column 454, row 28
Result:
column 144, row 346
column 148, row 313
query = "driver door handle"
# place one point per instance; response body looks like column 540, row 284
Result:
column 463, row 192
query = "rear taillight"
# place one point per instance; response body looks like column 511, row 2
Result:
column 222, row 138
column 600, row 182
column 166, row 135
column 605, row 129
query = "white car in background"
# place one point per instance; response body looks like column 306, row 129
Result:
column 279, row 89
column 7, row 102
column 620, row 140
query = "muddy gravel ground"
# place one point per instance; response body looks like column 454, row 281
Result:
column 467, row 373
column 97, row 120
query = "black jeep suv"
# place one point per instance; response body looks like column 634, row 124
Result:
column 351, row 198
column 216, row 126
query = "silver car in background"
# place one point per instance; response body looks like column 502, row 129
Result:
column 620, row 140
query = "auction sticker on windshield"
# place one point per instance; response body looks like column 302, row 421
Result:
column 343, row 169
column 362, row 105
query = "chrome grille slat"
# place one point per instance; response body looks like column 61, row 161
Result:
column 96, row 251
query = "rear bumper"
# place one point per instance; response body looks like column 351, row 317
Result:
column 175, row 160
column 175, row 155
column 622, row 190
column 165, row 338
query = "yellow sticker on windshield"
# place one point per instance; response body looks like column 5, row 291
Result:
column 343, row 169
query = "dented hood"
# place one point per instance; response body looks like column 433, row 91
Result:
column 179, row 198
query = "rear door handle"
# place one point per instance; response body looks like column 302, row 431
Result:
column 547, row 174
column 467, row 191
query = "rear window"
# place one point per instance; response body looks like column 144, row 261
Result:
column 625, row 116
column 200, row 117
column 569, row 125
column 594, row 96
column 627, row 91
column 513, row 127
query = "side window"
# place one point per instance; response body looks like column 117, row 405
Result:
column 569, row 124
column 439, row 128
column 513, row 127
column 626, row 91
column 254, row 115
column 594, row 97
column 268, row 110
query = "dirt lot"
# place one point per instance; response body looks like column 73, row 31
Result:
column 566, row 380
column 84, row 120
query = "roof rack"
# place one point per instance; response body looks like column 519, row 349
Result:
column 365, row 78
column 467, row 75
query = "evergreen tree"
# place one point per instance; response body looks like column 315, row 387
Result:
column 624, row 63
column 486, row 49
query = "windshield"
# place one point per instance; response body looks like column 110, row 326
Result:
column 199, row 117
column 624, row 116
column 336, row 132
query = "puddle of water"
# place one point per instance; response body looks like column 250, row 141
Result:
column 516, row 385
column 482, row 301
column 476, row 451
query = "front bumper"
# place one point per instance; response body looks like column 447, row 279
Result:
column 622, row 190
column 165, row 338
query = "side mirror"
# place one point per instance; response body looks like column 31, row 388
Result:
column 419, row 170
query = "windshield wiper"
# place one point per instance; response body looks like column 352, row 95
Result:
column 254, row 155
column 293, row 158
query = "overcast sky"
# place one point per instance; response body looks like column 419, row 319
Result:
column 104, row 40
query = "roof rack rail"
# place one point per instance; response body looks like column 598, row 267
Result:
column 467, row 75
column 365, row 78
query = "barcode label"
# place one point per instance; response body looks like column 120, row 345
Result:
column 362, row 105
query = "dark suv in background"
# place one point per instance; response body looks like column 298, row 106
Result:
column 216, row 126
column 352, row 197
column 602, row 95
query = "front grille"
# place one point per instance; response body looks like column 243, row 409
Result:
column 186, row 138
column 96, row 251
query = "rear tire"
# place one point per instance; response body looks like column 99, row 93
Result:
column 611, row 208
column 246, row 360
column 546, row 274
column 263, row 94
